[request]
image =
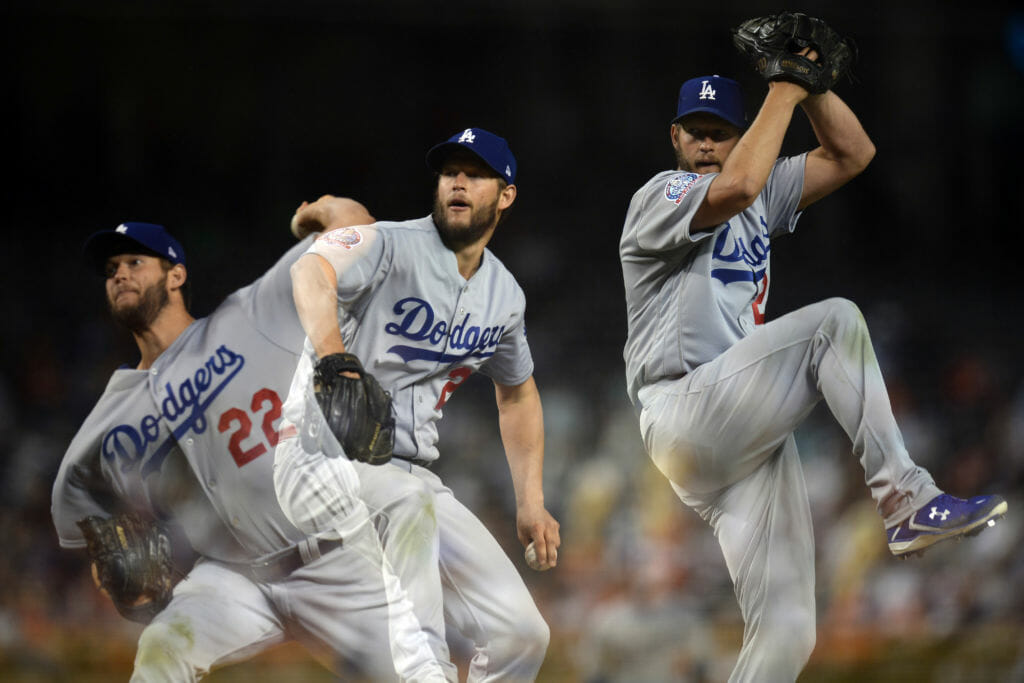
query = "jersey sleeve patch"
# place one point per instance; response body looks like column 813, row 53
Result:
column 678, row 185
column 348, row 238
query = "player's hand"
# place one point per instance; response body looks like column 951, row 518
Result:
column 327, row 213
column 535, row 524
column 795, row 90
column 310, row 218
column 810, row 53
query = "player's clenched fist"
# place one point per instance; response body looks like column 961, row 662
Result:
column 538, row 531
column 328, row 212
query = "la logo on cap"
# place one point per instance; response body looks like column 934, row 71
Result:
column 121, row 228
column 706, row 91
column 467, row 136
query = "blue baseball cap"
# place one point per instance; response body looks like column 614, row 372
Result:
column 130, row 238
column 492, row 149
column 715, row 95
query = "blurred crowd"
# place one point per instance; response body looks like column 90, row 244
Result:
column 641, row 592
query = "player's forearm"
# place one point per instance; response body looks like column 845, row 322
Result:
column 746, row 171
column 314, row 287
column 521, row 422
column 842, row 138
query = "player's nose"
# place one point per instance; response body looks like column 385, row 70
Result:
column 118, row 271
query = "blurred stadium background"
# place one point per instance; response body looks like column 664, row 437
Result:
column 218, row 119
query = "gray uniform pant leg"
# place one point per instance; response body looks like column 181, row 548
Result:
column 351, row 603
column 725, row 419
column 723, row 435
column 318, row 494
column 485, row 598
column 763, row 524
column 216, row 617
column 402, row 507
column 347, row 606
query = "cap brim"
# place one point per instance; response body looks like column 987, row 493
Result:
column 438, row 153
column 102, row 245
column 714, row 112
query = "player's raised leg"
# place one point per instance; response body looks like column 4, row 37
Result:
column 722, row 421
column 726, row 418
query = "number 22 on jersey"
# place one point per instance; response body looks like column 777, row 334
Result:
column 265, row 402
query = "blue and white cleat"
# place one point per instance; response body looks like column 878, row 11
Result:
column 942, row 518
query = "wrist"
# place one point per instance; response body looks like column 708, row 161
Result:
column 531, row 493
column 791, row 93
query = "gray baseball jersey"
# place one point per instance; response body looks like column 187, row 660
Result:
column 421, row 329
column 195, row 434
column 690, row 296
column 418, row 326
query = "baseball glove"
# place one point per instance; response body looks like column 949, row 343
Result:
column 771, row 43
column 133, row 561
column 358, row 411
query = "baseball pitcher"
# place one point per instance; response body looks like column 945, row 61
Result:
column 719, row 391
column 187, row 436
column 419, row 306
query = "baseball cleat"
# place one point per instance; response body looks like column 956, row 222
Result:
column 942, row 518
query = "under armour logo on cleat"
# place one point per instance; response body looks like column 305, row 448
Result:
column 935, row 513
column 706, row 91
column 467, row 136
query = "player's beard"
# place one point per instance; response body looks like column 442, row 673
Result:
column 456, row 238
column 143, row 313
column 682, row 163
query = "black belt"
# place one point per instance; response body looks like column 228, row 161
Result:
column 281, row 567
column 414, row 461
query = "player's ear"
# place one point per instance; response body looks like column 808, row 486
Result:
column 506, row 197
column 673, row 132
column 177, row 276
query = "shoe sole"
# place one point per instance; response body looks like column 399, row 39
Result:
column 916, row 546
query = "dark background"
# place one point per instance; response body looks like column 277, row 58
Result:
column 218, row 119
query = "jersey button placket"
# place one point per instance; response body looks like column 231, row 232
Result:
column 458, row 314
